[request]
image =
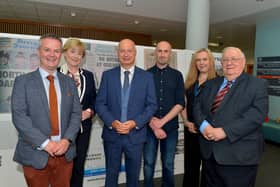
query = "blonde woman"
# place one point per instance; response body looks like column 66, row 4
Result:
column 74, row 51
column 202, row 68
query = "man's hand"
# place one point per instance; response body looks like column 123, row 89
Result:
column 130, row 124
column 219, row 134
column 156, row 123
column 51, row 148
column 207, row 132
column 123, row 128
column 61, row 147
column 116, row 124
column 213, row 134
column 160, row 133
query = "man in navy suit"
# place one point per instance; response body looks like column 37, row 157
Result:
column 231, row 124
column 126, row 101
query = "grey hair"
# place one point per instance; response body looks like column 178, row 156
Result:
column 235, row 48
column 51, row 36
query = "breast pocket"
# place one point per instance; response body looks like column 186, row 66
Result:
column 68, row 98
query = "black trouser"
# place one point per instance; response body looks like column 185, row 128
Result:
column 218, row 175
column 192, row 161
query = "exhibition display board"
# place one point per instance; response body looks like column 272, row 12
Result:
column 18, row 55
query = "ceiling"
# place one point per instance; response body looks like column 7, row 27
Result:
column 232, row 22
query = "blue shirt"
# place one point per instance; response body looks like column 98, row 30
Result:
column 205, row 122
column 170, row 92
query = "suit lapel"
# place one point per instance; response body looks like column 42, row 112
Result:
column 133, row 84
column 63, row 90
column 41, row 90
column 118, row 85
column 231, row 91
column 83, row 85
column 215, row 90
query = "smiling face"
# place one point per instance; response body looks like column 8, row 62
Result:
column 127, row 53
column 233, row 63
column 50, row 52
column 202, row 62
column 73, row 56
column 74, row 50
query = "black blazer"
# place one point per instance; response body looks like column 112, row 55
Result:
column 88, row 95
column 240, row 114
column 190, row 95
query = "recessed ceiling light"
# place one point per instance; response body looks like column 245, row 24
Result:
column 129, row 3
column 154, row 43
column 213, row 44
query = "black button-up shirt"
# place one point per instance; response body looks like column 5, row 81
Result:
column 170, row 92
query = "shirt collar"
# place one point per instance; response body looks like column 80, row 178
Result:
column 226, row 81
column 44, row 73
column 163, row 69
column 131, row 70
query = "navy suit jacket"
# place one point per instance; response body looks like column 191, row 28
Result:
column 240, row 114
column 142, row 103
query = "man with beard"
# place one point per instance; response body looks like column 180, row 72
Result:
column 163, row 127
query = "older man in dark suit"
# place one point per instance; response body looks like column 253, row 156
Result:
column 229, row 112
column 46, row 112
column 126, row 101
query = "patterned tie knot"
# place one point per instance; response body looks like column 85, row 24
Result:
column 50, row 78
column 229, row 83
column 220, row 96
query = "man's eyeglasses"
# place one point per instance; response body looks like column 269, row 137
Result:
column 232, row 59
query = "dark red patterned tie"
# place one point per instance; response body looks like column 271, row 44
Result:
column 53, row 107
column 220, row 96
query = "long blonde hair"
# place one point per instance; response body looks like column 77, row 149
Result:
column 193, row 73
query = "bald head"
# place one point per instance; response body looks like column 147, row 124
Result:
column 127, row 53
column 126, row 41
column 163, row 53
column 164, row 43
